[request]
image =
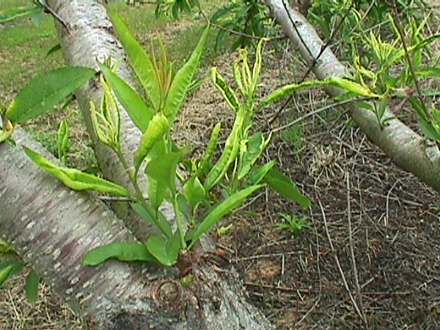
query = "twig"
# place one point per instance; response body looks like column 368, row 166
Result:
column 388, row 198
column 238, row 33
column 315, row 59
column 353, row 301
column 353, row 259
column 408, row 58
column 54, row 14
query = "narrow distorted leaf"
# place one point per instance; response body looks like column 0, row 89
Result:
column 343, row 83
column 45, row 91
column 429, row 130
column 221, row 210
column 5, row 273
column 183, row 80
column 156, row 130
column 429, row 71
column 282, row 184
column 256, row 72
column 31, row 287
column 137, row 109
column 230, row 152
column 75, row 179
column 63, row 141
column 127, row 251
column 154, row 217
column 419, row 107
column 225, row 89
column 209, row 151
column 166, row 251
column 141, row 62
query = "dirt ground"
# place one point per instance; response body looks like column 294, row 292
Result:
column 384, row 273
column 371, row 258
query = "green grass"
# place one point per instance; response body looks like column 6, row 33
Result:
column 24, row 47
column 23, row 54
column 8, row 4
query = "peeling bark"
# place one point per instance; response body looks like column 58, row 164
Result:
column 407, row 149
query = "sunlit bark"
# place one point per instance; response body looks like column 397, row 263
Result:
column 406, row 148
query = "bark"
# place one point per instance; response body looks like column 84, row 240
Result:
column 407, row 149
column 52, row 228
column 88, row 39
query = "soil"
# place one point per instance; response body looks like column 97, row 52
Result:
column 371, row 258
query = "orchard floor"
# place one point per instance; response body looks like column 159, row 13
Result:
column 371, row 258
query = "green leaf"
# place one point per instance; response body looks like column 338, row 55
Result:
column 75, row 179
column 163, row 170
column 258, row 173
column 166, row 251
column 141, row 62
column 5, row 274
column 45, row 91
column 343, row 83
column 225, row 89
column 194, row 191
column 284, row 186
column 429, row 130
column 53, row 50
column 128, row 251
column 8, row 15
column 156, row 193
column 420, row 108
column 183, row 80
column 17, row 266
column 428, row 71
column 209, row 152
column 254, row 148
column 139, row 112
column 31, row 287
column 155, row 132
column 154, row 217
column 349, row 86
column 230, row 151
column 222, row 209
column 63, row 141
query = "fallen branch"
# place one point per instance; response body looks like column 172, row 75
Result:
column 406, row 148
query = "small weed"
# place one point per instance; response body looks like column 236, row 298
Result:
column 293, row 224
column 224, row 230
column 294, row 136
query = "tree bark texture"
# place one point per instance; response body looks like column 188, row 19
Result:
column 90, row 38
column 52, row 227
column 407, row 149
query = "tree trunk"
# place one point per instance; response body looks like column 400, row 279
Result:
column 406, row 148
column 90, row 38
column 52, row 227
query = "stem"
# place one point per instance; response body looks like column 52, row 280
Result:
column 179, row 222
column 139, row 195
